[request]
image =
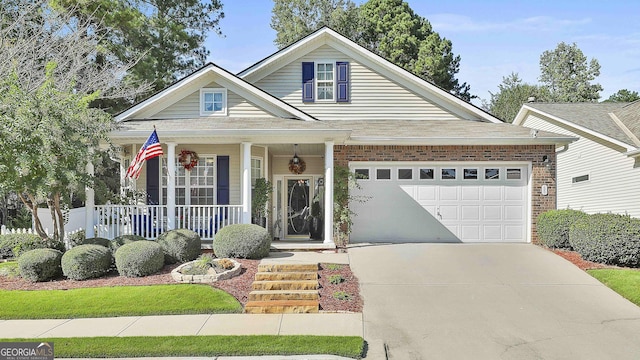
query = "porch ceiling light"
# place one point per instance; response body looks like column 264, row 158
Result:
column 295, row 159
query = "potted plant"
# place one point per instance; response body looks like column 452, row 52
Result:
column 316, row 221
column 259, row 198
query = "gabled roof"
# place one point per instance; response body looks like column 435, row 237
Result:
column 629, row 115
column 197, row 79
column 597, row 119
column 327, row 36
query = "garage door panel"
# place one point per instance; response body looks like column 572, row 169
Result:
column 492, row 212
column 512, row 193
column 492, row 232
column 470, row 212
column 448, row 193
column 471, row 193
column 492, row 193
column 513, row 233
column 513, row 213
column 427, row 193
column 448, row 212
column 410, row 190
column 471, row 232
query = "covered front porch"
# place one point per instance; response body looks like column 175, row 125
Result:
column 213, row 186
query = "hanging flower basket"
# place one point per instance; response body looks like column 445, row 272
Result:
column 297, row 167
column 188, row 159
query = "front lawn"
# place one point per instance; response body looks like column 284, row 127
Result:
column 202, row 346
column 116, row 301
column 625, row 282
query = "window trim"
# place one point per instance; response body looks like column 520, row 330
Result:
column 398, row 168
column 384, row 168
column 333, row 81
column 434, row 174
column 261, row 159
column 222, row 112
column 368, row 178
column 478, row 172
column 187, row 182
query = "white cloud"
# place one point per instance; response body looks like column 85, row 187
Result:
column 461, row 23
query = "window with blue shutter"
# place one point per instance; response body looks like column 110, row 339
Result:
column 342, row 71
column 307, row 82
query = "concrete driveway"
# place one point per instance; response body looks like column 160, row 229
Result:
column 495, row 301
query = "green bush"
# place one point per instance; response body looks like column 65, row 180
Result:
column 180, row 245
column 77, row 238
column 553, row 227
column 139, row 258
column 13, row 245
column 97, row 241
column 242, row 241
column 607, row 238
column 40, row 264
column 123, row 239
column 86, row 262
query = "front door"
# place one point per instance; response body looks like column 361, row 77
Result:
column 298, row 202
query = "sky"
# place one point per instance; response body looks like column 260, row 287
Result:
column 493, row 37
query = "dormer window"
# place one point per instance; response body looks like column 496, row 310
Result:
column 213, row 101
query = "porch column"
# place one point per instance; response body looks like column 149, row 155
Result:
column 328, row 193
column 171, row 185
column 246, row 183
column 89, row 205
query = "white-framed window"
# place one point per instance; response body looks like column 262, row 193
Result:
column 194, row 187
column 470, row 174
column 325, row 81
column 579, row 179
column 383, row 174
column 256, row 169
column 492, row 173
column 362, row 174
column 405, row 174
column 448, row 174
column 213, row 101
column 514, row 173
column 427, row 173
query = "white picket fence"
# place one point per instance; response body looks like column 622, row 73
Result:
column 4, row 231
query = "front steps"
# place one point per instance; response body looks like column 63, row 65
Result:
column 284, row 288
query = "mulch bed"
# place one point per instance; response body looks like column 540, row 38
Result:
column 578, row 261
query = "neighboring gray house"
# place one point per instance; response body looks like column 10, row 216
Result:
column 600, row 172
column 437, row 168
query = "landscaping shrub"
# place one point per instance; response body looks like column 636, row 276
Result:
column 13, row 245
column 139, row 258
column 607, row 238
column 97, row 241
column 86, row 262
column 77, row 238
column 553, row 227
column 40, row 264
column 180, row 245
column 242, row 241
column 123, row 239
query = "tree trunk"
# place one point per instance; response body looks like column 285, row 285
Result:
column 60, row 218
column 32, row 205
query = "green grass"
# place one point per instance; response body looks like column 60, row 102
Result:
column 116, row 301
column 201, row 346
column 625, row 282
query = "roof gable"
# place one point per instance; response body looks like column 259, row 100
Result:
column 327, row 36
column 203, row 77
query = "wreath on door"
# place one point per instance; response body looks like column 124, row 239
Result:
column 188, row 159
column 297, row 167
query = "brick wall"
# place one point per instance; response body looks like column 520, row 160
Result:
column 542, row 175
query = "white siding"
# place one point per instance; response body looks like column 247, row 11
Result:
column 372, row 95
column 614, row 182
column 189, row 106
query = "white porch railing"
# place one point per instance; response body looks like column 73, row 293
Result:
column 149, row 221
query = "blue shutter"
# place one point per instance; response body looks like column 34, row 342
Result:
column 153, row 181
column 342, row 69
column 222, row 178
column 307, row 81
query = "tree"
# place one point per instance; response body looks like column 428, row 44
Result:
column 294, row 19
column 512, row 93
column 391, row 29
column 567, row 74
column 48, row 79
column 166, row 36
column 624, row 95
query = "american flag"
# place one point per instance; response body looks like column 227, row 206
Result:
column 149, row 150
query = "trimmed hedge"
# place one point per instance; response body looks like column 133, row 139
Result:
column 40, row 264
column 123, row 239
column 607, row 238
column 86, row 262
column 97, row 241
column 77, row 238
column 180, row 245
column 553, row 227
column 139, row 258
column 247, row 241
column 13, row 245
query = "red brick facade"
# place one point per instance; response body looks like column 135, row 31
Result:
column 542, row 174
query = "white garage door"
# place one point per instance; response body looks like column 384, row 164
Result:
column 457, row 202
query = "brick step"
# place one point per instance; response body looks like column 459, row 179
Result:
column 281, row 307
column 261, row 276
column 265, row 295
column 287, row 267
column 285, row 285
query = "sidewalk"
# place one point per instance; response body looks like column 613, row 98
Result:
column 329, row 324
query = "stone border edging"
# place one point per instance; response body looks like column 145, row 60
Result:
column 208, row 278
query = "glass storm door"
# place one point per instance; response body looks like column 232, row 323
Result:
column 298, row 202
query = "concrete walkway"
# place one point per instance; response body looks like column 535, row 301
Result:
column 494, row 301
